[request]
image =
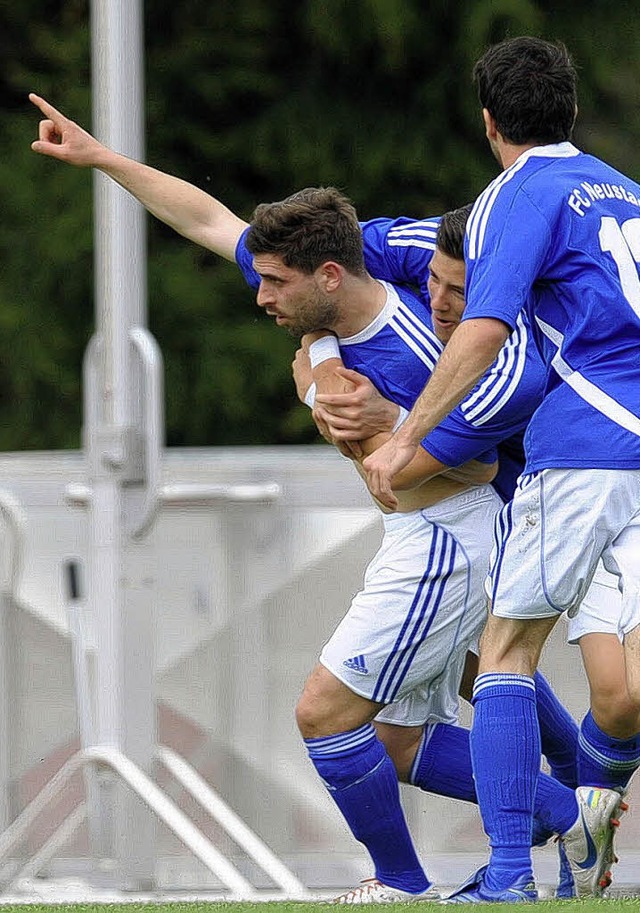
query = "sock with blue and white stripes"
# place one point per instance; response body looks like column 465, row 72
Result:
column 363, row 783
column 603, row 760
column 505, row 751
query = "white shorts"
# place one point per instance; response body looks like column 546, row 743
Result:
column 408, row 630
column 600, row 610
column 550, row 538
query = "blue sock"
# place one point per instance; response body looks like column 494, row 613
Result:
column 558, row 733
column 443, row 763
column 605, row 761
column 556, row 807
column 363, row 782
column 443, row 766
column 505, row 750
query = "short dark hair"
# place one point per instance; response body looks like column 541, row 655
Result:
column 307, row 229
column 528, row 86
column 450, row 235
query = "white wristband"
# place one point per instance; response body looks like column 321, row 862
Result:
column 323, row 349
column 310, row 396
column 401, row 417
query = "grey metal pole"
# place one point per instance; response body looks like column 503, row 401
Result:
column 121, row 601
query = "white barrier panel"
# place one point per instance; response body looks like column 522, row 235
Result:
column 246, row 592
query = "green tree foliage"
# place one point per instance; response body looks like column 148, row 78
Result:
column 250, row 100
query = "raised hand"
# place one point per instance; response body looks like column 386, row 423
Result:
column 61, row 138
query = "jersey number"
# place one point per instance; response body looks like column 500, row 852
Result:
column 623, row 243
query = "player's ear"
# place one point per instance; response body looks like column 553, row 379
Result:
column 330, row 276
column 490, row 125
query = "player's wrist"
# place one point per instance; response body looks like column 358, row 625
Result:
column 408, row 433
column 400, row 419
column 323, row 349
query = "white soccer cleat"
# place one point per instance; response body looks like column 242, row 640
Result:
column 589, row 843
column 373, row 891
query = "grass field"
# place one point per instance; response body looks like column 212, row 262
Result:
column 614, row 905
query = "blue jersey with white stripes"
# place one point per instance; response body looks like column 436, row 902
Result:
column 398, row 352
column 558, row 233
column 496, row 413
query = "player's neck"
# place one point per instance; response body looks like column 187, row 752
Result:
column 360, row 303
column 508, row 153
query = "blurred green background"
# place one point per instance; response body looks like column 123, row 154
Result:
column 251, row 100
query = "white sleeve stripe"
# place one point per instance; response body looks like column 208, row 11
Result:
column 479, row 217
column 417, row 227
column 510, row 389
column 420, row 230
column 587, row 390
column 425, row 357
column 498, row 370
column 413, row 242
column 420, row 330
column 502, row 381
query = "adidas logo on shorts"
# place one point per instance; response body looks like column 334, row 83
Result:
column 357, row 664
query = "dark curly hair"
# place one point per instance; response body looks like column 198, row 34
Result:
column 307, row 229
column 528, row 85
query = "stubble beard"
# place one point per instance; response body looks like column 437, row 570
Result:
column 317, row 313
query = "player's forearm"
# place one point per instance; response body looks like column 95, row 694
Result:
column 473, row 473
column 472, row 348
column 187, row 209
column 422, row 468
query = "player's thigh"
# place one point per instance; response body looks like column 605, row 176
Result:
column 622, row 557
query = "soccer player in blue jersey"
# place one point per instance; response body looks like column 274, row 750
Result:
column 326, row 284
column 556, row 234
column 403, row 250
column 388, row 650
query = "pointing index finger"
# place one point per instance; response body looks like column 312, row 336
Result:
column 46, row 108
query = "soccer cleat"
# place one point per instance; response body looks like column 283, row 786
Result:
column 371, row 890
column 523, row 890
column 566, row 887
column 589, row 843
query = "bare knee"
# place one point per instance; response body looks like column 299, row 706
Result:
column 614, row 703
column 326, row 706
column 618, row 716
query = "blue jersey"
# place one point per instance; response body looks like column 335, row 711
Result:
column 497, row 412
column 558, row 233
column 398, row 352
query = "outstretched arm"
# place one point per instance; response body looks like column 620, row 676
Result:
column 187, row 209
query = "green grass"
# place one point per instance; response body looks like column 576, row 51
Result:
column 592, row 905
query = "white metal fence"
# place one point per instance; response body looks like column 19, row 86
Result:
column 253, row 559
